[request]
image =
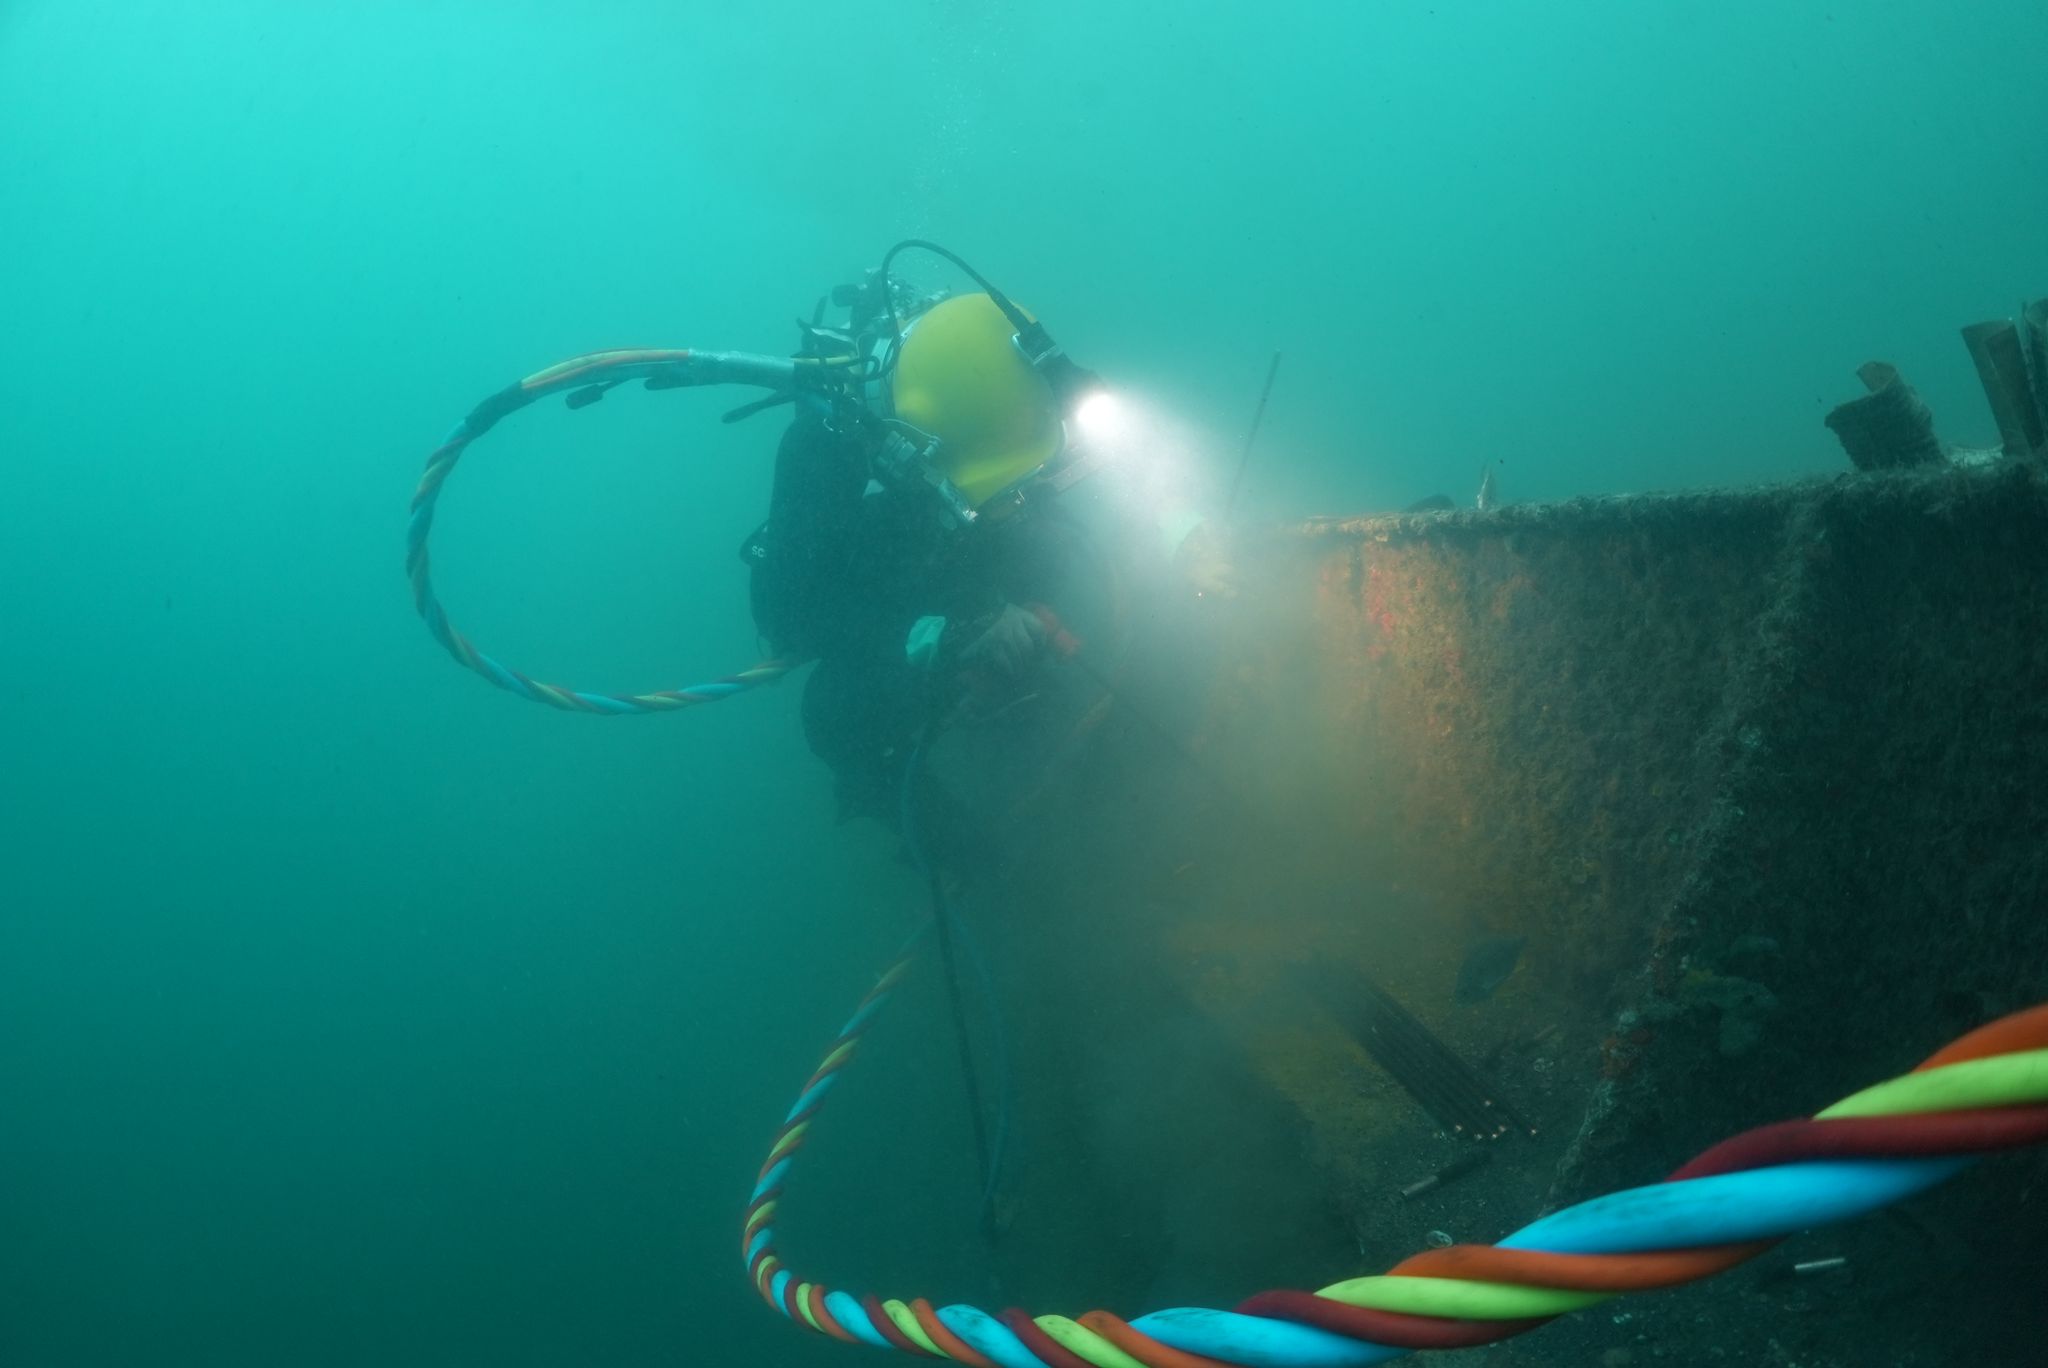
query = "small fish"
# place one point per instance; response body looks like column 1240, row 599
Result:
column 1489, row 496
column 1487, row 966
column 1435, row 503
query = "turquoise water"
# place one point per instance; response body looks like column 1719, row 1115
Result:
column 353, row 1012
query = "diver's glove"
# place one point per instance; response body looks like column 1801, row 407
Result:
column 1010, row 644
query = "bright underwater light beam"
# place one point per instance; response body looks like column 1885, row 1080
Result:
column 1102, row 416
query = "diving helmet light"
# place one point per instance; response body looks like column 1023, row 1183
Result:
column 1101, row 415
column 1072, row 385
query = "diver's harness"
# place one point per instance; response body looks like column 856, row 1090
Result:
column 837, row 373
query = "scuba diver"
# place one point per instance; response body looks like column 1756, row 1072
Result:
column 955, row 582
column 936, row 534
column 957, row 556
column 977, row 547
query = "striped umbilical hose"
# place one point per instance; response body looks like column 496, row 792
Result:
column 1987, row 1091
column 583, row 379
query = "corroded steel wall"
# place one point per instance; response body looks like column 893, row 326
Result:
column 1758, row 778
column 1761, row 777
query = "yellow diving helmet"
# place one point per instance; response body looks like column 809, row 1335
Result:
column 960, row 379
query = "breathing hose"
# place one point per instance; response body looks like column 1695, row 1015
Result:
column 584, row 380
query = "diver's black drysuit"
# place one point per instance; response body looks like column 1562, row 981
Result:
column 843, row 568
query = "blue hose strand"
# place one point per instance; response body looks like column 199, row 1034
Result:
column 854, row 1319
column 1732, row 1208
column 1258, row 1342
column 991, row 1337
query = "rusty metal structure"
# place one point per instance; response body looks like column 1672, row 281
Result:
column 1473, row 862
column 1758, row 779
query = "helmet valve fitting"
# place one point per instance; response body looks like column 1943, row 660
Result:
column 905, row 467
